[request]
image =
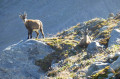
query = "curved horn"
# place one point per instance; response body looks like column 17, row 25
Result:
column 20, row 14
column 25, row 13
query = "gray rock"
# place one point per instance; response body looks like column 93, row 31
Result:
column 115, row 38
column 104, row 28
column 118, row 23
column 94, row 22
column 74, row 65
column 115, row 65
column 110, row 75
column 95, row 67
column 110, row 56
column 117, row 76
column 17, row 61
column 93, row 47
column 82, row 24
column 117, row 54
column 110, row 60
column 118, row 26
column 54, row 66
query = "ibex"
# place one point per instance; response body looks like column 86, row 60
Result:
column 86, row 39
column 32, row 25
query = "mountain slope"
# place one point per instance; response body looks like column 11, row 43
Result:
column 55, row 15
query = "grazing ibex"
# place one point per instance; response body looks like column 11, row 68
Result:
column 32, row 25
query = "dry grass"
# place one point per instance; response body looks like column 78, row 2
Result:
column 75, row 59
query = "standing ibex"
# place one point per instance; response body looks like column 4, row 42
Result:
column 32, row 25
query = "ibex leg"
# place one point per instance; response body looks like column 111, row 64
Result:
column 37, row 34
column 41, row 30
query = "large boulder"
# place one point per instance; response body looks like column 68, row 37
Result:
column 95, row 67
column 117, row 54
column 94, row 47
column 17, row 61
column 115, row 65
column 115, row 38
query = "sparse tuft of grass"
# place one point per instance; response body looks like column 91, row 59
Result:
column 102, row 73
column 75, row 58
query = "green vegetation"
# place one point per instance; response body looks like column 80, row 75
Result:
column 62, row 49
column 106, row 33
column 101, row 74
column 75, row 59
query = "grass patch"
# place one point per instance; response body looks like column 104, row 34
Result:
column 63, row 49
column 74, row 58
column 101, row 74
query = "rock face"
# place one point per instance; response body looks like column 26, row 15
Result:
column 17, row 61
column 117, row 16
column 95, row 67
column 116, row 64
column 115, row 38
column 104, row 28
column 93, row 47
column 117, row 54
column 67, row 14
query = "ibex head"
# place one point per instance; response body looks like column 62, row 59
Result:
column 23, row 16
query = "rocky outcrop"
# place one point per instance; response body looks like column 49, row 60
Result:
column 17, row 61
column 93, row 47
column 115, row 38
column 104, row 28
column 115, row 65
column 95, row 67
column 117, row 16
column 92, row 23
column 112, row 68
